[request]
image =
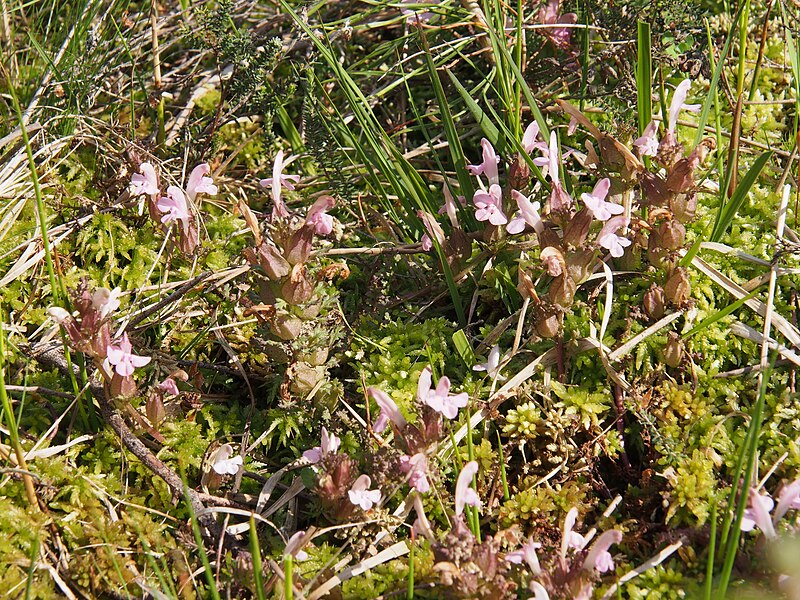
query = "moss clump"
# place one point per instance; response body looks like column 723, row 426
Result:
column 543, row 504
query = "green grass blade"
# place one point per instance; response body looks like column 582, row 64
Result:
column 728, row 210
column 644, row 76
column 719, row 315
column 490, row 132
column 255, row 550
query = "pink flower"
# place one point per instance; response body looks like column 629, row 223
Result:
column 570, row 538
column 489, row 165
column 389, row 411
column 200, row 184
column 330, row 445
column 608, row 239
column 449, row 206
column 318, row 218
column 434, row 230
column 106, row 301
column 489, row 205
column 647, row 144
column 530, row 139
column 124, row 362
column 276, row 182
column 679, row 103
column 413, row 14
column 464, row 493
column 145, row 182
column 223, row 464
column 528, row 554
column 596, row 201
column 168, row 386
column 416, row 470
column 293, row 546
column 528, row 214
column 757, row 514
column 788, row 499
column 492, row 364
column 548, row 15
column 361, row 495
column 439, row 399
column 559, row 199
column 599, row 558
column 174, row 205
column 539, row 591
column 421, row 526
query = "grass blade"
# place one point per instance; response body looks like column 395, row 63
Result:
column 728, row 210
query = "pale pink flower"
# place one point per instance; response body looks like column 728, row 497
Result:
column 224, row 463
column 439, row 399
column 559, row 198
column 596, row 201
column 492, row 364
column 174, row 206
column 200, row 184
column 318, row 218
column 464, row 493
column 489, row 165
column 531, row 139
column 528, row 214
column 278, row 181
column 330, row 445
column 106, row 301
column 608, row 239
column 757, row 514
column 569, row 538
column 421, row 525
column 168, row 386
column 788, row 499
column 123, row 360
column 489, row 205
column 449, row 206
column 549, row 15
column 293, row 546
column 389, row 411
column 145, row 182
column 416, row 469
column 679, row 103
column 599, row 558
column 647, row 144
column 413, row 14
column 539, row 591
column 528, row 554
column 434, row 230
column 361, row 495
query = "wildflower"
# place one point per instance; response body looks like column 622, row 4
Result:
column 489, row 205
column 389, row 411
column 330, row 445
column 124, row 362
column 647, row 144
column 106, row 301
column 439, row 399
column 449, row 206
column 608, row 239
column 757, row 514
column 361, row 495
column 679, row 103
column 200, row 184
column 570, row 538
column 539, row 591
column 293, row 546
column 489, row 165
column 412, row 15
column 464, row 493
column 528, row 554
column 421, row 526
column 318, row 218
column 492, row 364
column 596, row 201
column 416, row 469
column 789, row 498
column 59, row 315
column 174, row 205
column 169, row 386
column 548, row 15
column 559, row 199
column 145, row 182
column 276, row 182
column 530, row 139
column 599, row 558
column 434, row 230
column 223, row 462
column 528, row 214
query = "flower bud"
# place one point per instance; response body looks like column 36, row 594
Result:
column 286, row 326
column 654, row 301
column 678, row 286
column 673, row 351
column 547, row 320
column 298, row 288
column 562, row 291
column 519, row 174
column 580, row 264
column 578, row 227
column 684, row 206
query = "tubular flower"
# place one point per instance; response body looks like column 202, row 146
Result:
column 276, row 182
column 757, row 514
column 434, row 230
column 439, row 399
column 416, row 469
column 330, row 445
column 464, row 493
column 599, row 558
column 223, row 462
column 174, row 206
column 608, row 239
column 528, row 554
column 361, row 495
column 647, row 144
column 596, row 201
column 144, row 183
column 492, row 364
column 123, row 360
column 489, row 165
column 528, row 214
column 293, row 546
column 559, row 198
column 389, row 411
column 318, row 218
column 489, row 205
column 200, row 184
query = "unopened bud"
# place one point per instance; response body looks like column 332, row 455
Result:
column 654, row 301
column 547, row 320
column 581, row 264
column 673, row 351
column 578, row 227
column 562, row 291
column 678, row 286
column 684, row 206
column 672, row 234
